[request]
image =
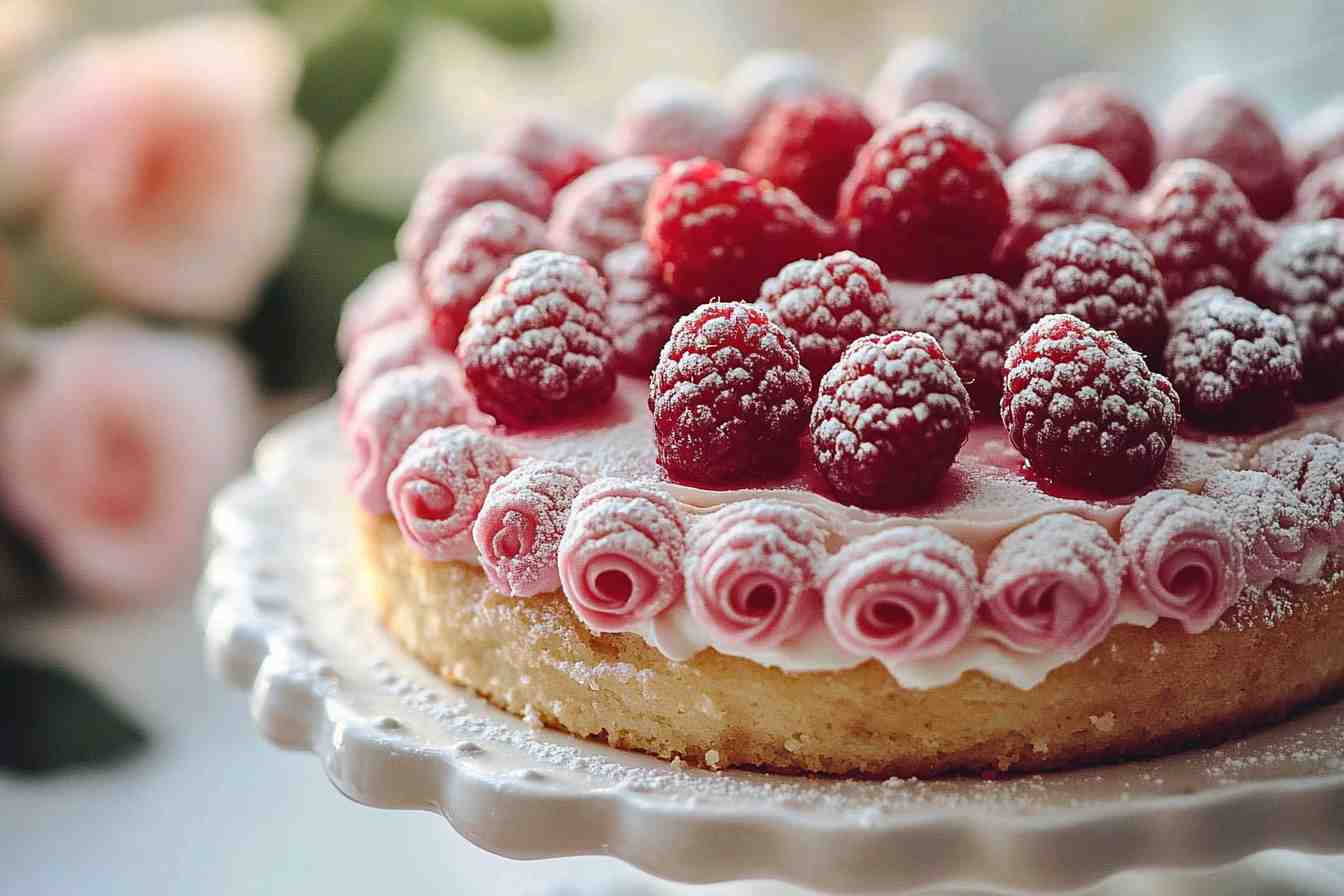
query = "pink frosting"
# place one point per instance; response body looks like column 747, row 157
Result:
column 1313, row 467
column 1185, row 560
column 438, row 489
column 397, row 345
column 1271, row 521
column 1053, row 584
column 519, row 528
column 906, row 593
column 386, row 296
column 620, row 557
column 751, row 573
column 388, row 417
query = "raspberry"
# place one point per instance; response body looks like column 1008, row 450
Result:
column 729, row 395
column 1101, row 273
column 1083, row 407
column 603, row 210
column 455, row 185
column 808, row 146
column 718, row 232
column 1199, row 227
column 674, row 118
column 475, row 249
column 1232, row 361
column 1086, row 112
column 763, row 79
column 640, row 312
column 975, row 319
column 1318, row 138
column 925, row 198
column 550, row 147
column 924, row 71
column 536, row 347
column 1301, row 275
column 1321, row 194
column 1052, row 187
column 825, row 305
column 1212, row 120
column 890, row 417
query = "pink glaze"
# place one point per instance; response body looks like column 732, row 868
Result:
column 1053, row 585
column 397, row 345
column 620, row 557
column 906, row 593
column 519, row 528
column 1185, row 561
column 395, row 409
column 751, row 573
column 437, row 490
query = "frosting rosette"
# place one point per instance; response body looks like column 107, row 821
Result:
column 907, row 593
column 620, row 557
column 439, row 487
column 1313, row 467
column 1185, row 561
column 397, row 345
column 392, row 412
column 386, row 296
column 1053, row 584
column 519, row 528
column 1271, row 522
column 751, row 573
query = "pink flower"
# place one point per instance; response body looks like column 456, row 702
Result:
column 1185, row 560
column 751, row 573
column 1053, row 584
column 906, row 593
column 111, row 451
column 519, row 529
column 620, row 558
column 386, row 296
column 165, row 165
column 397, row 345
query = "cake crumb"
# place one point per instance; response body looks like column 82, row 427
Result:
column 678, row 762
column 1041, row 745
column 1104, row 723
column 793, row 744
column 712, row 758
column 1157, row 651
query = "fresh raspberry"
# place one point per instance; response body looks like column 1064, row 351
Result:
column 729, row 395
column 1318, row 138
column 1212, row 120
column 455, row 185
column 1103, row 274
column 718, row 232
column 890, row 417
column 551, row 147
column 1301, row 275
column 1083, row 407
column 475, row 249
column 1086, row 112
column 1232, row 361
column 536, row 347
column 763, row 79
column 640, row 312
column 1052, row 187
column 808, row 145
column 603, row 210
column 926, row 196
column 930, row 71
column 674, row 118
column 975, row 319
column 1321, row 193
column 825, row 305
column 1199, row 226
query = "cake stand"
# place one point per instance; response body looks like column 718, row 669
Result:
column 280, row 620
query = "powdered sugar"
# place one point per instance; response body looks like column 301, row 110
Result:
column 1313, row 467
column 604, row 209
column 1272, row 523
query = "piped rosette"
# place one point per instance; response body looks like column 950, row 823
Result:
column 620, row 557
column 1272, row 523
column 751, row 573
column 1053, row 585
column 1185, row 561
column 1313, row 467
column 397, row 345
column 904, row 594
column 520, row 525
column 438, row 489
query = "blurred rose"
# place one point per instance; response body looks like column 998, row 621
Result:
column 110, row 451
column 166, row 164
column 26, row 27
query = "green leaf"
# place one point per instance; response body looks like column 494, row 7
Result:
column 520, row 23
column 53, row 721
column 347, row 69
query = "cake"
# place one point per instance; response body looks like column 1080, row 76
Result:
column 868, row 456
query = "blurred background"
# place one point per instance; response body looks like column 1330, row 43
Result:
column 188, row 193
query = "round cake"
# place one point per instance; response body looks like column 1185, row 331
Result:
column 785, row 430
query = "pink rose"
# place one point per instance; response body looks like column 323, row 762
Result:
column 111, row 450
column 519, row 529
column 386, row 296
column 165, row 165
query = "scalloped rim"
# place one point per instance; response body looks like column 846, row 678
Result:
column 324, row 678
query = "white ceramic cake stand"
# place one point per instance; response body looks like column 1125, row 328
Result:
column 280, row 621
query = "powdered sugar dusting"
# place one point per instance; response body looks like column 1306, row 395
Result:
column 1271, row 521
